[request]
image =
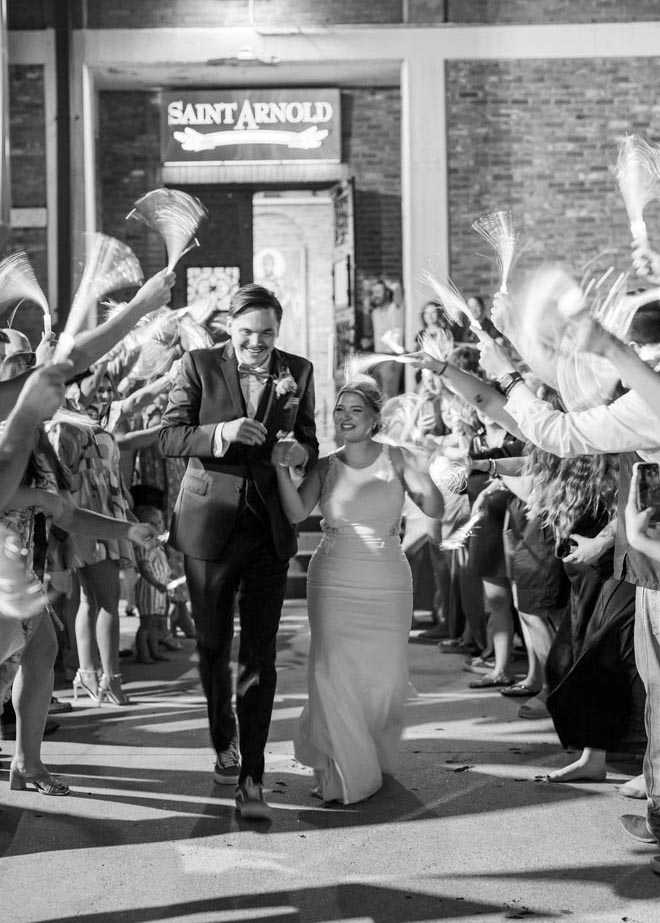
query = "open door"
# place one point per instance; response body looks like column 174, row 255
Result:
column 343, row 275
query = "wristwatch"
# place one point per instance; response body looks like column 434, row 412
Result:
column 508, row 381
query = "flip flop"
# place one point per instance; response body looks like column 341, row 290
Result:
column 490, row 681
column 533, row 710
column 520, row 691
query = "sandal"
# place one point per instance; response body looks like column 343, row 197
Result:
column 520, row 690
column 491, row 681
column 110, row 688
column 43, row 782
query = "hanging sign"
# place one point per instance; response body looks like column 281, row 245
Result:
column 251, row 126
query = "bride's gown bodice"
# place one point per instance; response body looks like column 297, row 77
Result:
column 362, row 503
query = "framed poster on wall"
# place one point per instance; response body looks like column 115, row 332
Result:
column 214, row 284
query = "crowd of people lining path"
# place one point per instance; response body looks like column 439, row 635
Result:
column 537, row 504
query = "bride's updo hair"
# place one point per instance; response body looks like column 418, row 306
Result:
column 369, row 392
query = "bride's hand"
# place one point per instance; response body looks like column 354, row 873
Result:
column 288, row 453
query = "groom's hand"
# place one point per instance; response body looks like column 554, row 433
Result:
column 245, row 430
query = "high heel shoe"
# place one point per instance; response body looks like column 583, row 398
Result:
column 44, row 782
column 88, row 681
column 110, row 688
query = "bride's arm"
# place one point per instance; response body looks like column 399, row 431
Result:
column 418, row 484
column 298, row 502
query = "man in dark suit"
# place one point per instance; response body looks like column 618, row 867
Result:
column 224, row 414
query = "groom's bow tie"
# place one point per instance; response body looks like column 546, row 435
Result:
column 247, row 371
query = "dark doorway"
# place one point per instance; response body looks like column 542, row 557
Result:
column 225, row 243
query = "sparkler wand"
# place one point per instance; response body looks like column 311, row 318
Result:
column 453, row 305
column 19, row 283
column 175, row 215
column 110, row 264
column 638, row 175
column 497, row 229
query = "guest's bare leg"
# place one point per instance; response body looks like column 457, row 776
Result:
column 32, row 691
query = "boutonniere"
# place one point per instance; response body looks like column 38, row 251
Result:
column 284, row 383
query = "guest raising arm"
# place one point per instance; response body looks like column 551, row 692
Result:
column 487, row 399
column 629, row 359
column 38, row 400
column 90, row 345
column 625, row 425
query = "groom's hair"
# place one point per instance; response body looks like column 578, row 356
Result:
column 251, row 297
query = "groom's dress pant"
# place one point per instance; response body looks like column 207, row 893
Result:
column 250, row 573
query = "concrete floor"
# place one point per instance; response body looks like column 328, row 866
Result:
column 464, row 832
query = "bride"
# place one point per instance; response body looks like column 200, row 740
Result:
column 359, row 598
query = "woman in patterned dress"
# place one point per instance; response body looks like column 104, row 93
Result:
column 88, row 453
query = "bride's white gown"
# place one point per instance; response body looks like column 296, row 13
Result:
column 359, row 598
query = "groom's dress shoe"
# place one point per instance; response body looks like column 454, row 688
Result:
column 637, row 828
column 227, row 766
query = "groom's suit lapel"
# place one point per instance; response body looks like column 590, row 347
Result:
column 267, row 395
column 229, row 369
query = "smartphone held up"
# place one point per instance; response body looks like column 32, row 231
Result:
column 647, row 476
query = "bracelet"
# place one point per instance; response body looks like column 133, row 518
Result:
column 508, row 381
column 492, row 467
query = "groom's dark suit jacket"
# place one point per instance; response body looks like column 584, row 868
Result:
column 207, row 392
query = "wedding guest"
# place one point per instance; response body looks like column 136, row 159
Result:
column 151, row 591
column 387, row 324
column 88, row 453
column 626, row 427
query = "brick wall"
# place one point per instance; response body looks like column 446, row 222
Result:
column 538, row 11
column 126, row 14
column 308, row 12
column 539, row 137
column 27, row 153
column 372, row 146
column 27, row 135
column 139, row 14
column 128, row 166
column 129, row 14
column 30, row 14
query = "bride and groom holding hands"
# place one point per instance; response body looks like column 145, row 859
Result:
column 230, row 414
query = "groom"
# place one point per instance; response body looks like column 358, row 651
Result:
column 224, row 415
